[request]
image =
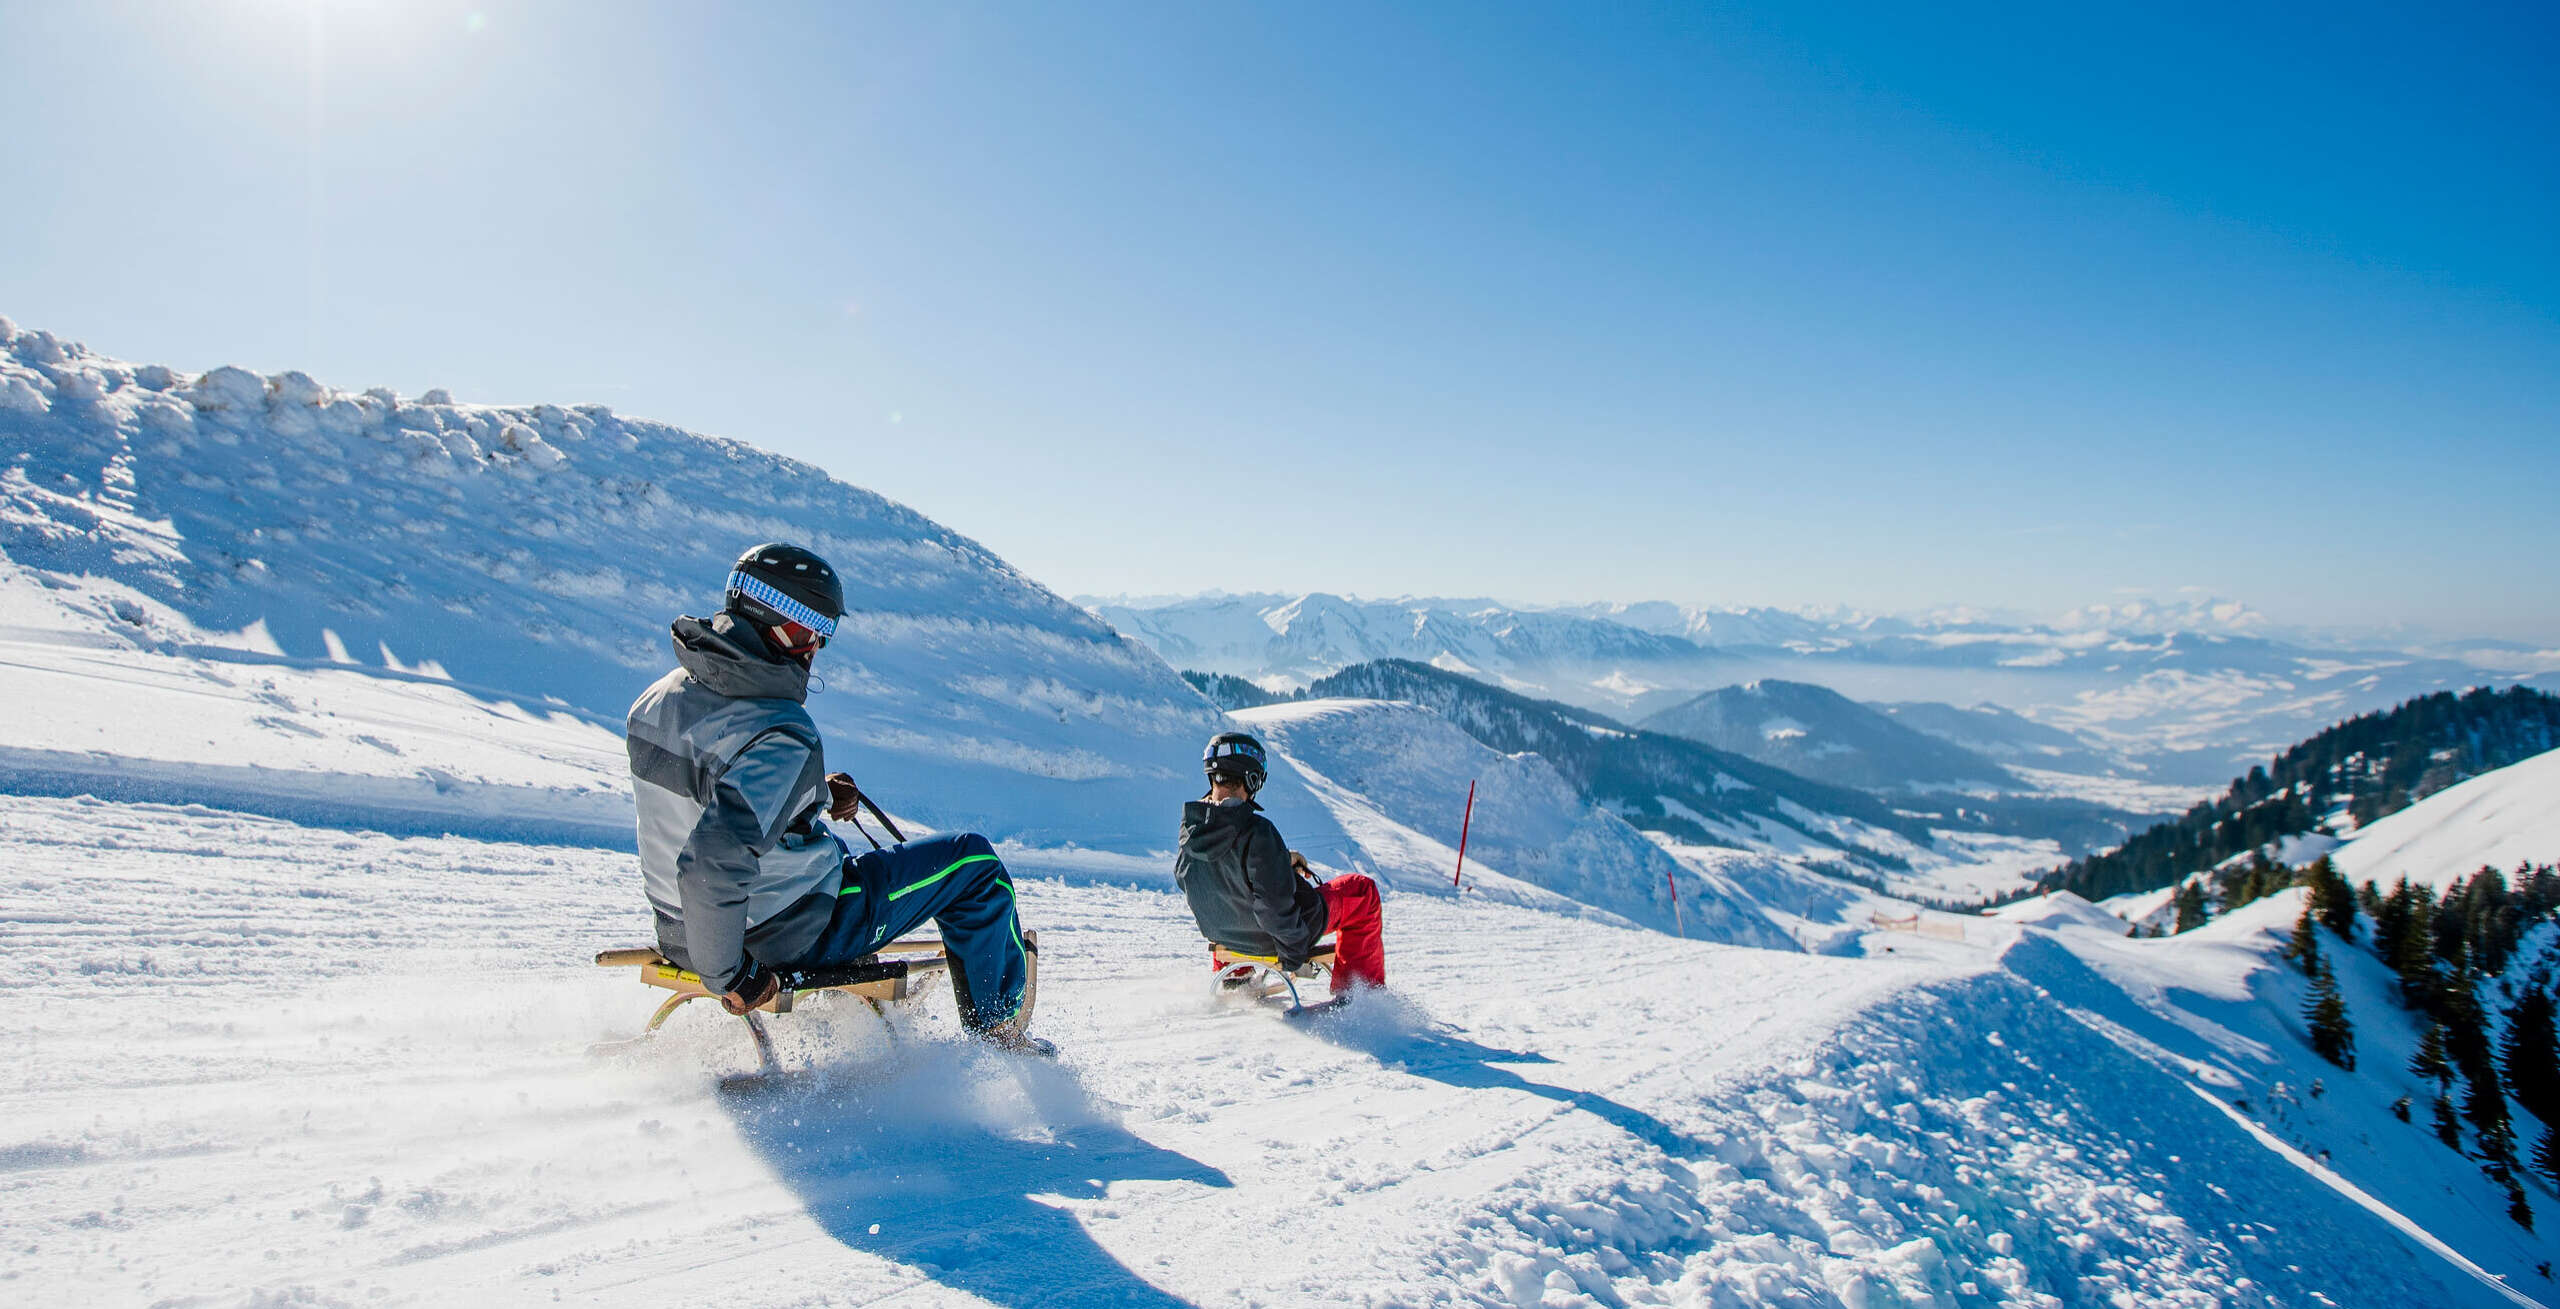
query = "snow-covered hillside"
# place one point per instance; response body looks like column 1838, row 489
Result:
column 2217, row 1012
column 535, row 554
column 2499, row 819
column 1416, row 768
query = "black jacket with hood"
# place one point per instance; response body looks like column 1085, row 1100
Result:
column 1234, row 868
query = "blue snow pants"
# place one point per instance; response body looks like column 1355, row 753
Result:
column 957, row 882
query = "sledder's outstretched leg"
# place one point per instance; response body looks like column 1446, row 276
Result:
column 957, row 882
column 1360, row 948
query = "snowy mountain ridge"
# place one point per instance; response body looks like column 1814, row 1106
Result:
column 2174, row 693
column 539, row 552
column 1814, row 732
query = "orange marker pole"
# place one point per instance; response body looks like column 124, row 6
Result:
column 1674, row 884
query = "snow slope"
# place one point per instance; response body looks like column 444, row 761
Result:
column 2500, row 819
column 351, row 1069
column 537, row 553
column 1529, row 823
column 395, row 749
column 2217, row 1011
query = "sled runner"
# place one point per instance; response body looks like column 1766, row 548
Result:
column 901, row 971
column 1260, row 977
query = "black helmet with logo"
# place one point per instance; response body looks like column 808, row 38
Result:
column 775, row 583
column 1235, row 755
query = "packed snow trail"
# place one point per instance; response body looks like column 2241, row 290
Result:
column 269, row 1064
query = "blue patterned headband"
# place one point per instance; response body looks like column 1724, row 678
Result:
column 784, row 605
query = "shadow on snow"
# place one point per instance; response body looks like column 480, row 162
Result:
column 962, row 1166
column 1390, row 1031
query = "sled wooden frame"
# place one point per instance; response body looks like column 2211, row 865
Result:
column 899, row 971
column 1267, row 981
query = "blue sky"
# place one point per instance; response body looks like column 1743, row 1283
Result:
column 1885, row 305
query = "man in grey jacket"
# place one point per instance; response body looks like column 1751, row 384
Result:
column 747, row 881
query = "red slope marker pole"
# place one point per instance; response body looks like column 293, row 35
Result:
column 1464, row 823
column 1674, row 884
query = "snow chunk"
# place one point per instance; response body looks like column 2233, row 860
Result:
column 228, row 388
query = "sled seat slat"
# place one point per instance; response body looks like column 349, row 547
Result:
column 873, row 977
column 1222, row 956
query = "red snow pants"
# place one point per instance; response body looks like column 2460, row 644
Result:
column 1359, row 940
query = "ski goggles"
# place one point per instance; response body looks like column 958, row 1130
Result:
column 1245, row 750
column 784, row 605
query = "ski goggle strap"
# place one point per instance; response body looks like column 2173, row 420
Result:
column 1247, row 750
column 784, row 605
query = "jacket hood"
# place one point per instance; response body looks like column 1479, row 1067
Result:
column 1206, row 826
column 727, row 658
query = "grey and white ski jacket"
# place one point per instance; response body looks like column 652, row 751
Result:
column 727, row 774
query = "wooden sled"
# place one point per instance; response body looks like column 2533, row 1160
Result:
column 1266, row 981
column 899, row 972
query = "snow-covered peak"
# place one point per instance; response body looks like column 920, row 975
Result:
column 538, row 552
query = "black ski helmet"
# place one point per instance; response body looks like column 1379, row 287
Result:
column 776, row 583
column 1234, row 754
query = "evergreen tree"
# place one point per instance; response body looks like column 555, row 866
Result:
column 2466, row 1028
column 2546, row 1156
column 2391, row 921
column 2326, row 1010
column 2531, row 1053
column 2304, row 948
column 2485, row 1104
column 2190, row 904
column 2448, row 1123
column 2432, row 1064
column 2332, row 901
column 2517, row 1209
column 2405, row 936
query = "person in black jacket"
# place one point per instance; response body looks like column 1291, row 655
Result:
column 1251, row 893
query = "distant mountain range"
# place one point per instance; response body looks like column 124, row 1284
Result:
column 1701, row 795
column 2186, row 694
column 1816, row 732
column 1660, row 783
column 1991, row 732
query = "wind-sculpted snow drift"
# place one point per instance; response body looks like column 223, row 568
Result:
column 535, row 553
